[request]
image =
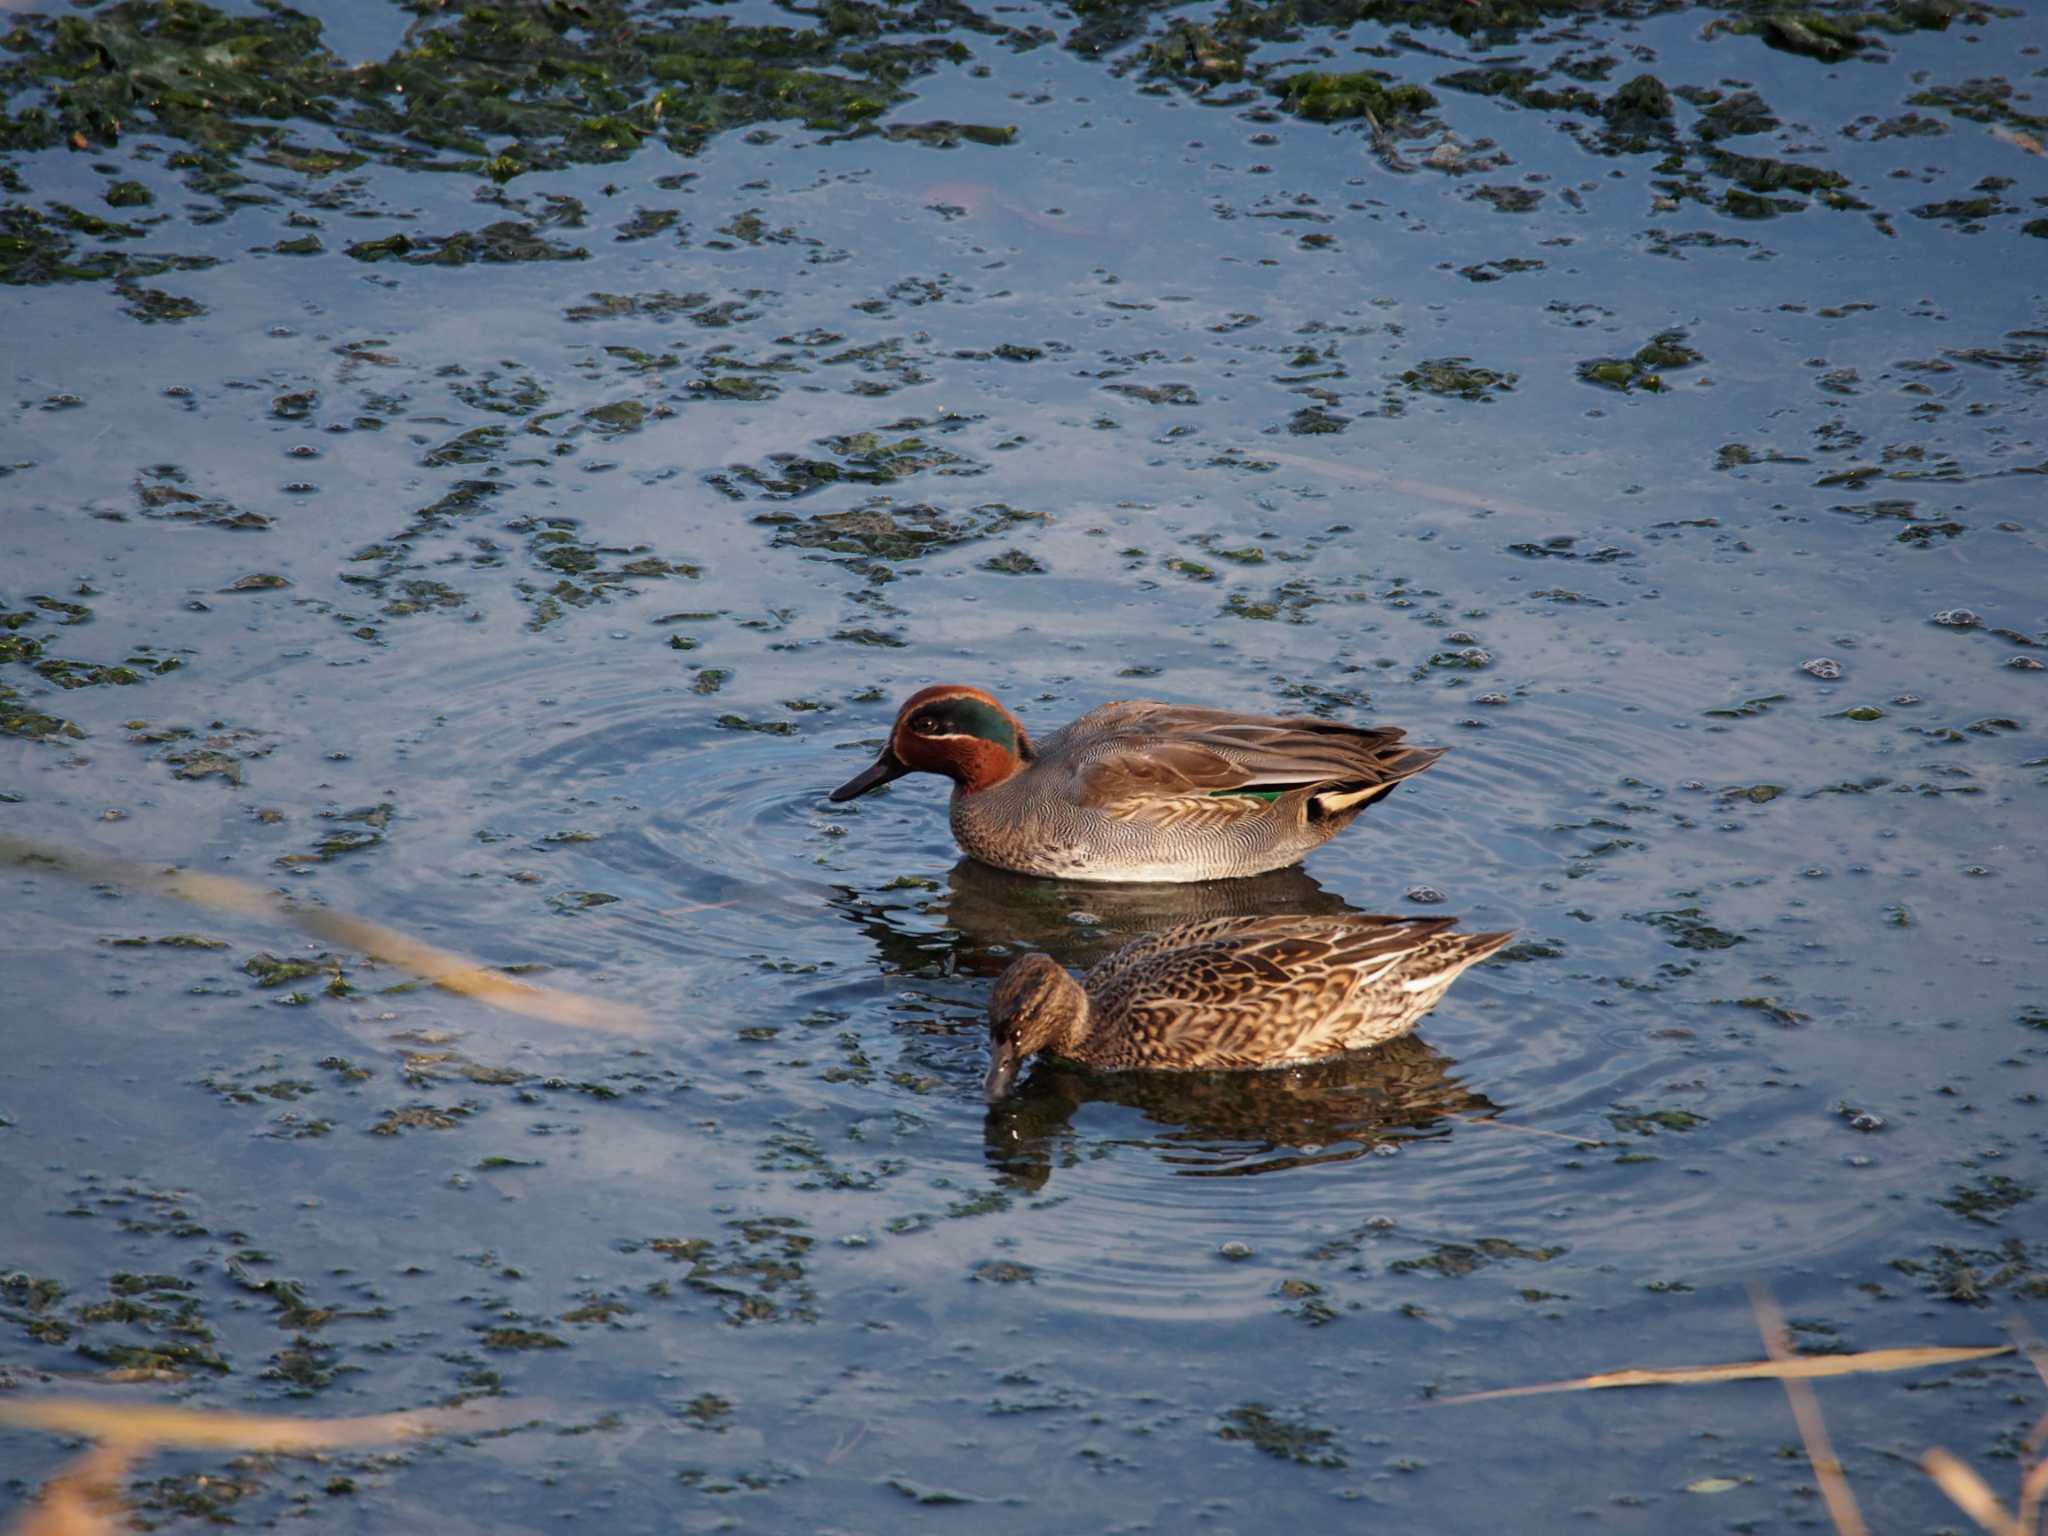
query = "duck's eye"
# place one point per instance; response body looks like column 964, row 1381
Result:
column 925, row 725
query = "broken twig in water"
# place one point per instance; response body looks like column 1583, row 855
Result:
column 444, row 968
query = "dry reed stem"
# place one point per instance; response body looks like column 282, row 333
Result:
column 2033, row 1493
column 2030, row 1345
column 1967, row 1491
column 444, row 968
column 81, row 1499
column 136, row 1426
column 1813, row 1433
column 1792, row 1368
column 2033, row 1469
column 2034, row 1478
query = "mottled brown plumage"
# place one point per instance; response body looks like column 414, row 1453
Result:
column 1139, row 790
column 1231, row 992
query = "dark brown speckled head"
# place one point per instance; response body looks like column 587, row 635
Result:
column 1036, row 1006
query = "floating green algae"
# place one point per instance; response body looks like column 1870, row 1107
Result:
column 501, row 90
column 1981, row 101
column 1971, row 1276
column 1685, row 928
column 1457, row 378
column 1013, row 562
column 1827, row 38
column 757, row 1275
column 1324, row 98
column 181, row 68
column 48, row 247
column 1834, row 35
column 1298, row 1440
column 862, row 458
column 1646, row 369
column 505, row 241
column 1454, row 1261
column 883, row 531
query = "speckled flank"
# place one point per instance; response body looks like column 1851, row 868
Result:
column 1234, row 992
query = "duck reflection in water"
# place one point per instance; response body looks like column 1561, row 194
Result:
column 988, row 914
column 1230, row 1124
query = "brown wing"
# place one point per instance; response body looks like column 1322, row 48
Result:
column 1254, row 992
column 1130, row 753
column 1338, row 932
column 1251, row 991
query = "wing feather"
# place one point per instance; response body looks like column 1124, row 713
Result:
column 1124, row 754
column 1241, row 991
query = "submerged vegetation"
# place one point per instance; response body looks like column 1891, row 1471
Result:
column 480, row 87
column 224, row 99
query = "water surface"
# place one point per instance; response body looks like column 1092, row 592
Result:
column 530, row 592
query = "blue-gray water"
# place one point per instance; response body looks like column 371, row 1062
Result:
column 1778, row 1014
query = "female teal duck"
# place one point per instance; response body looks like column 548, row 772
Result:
column 1231, row 992
column 1138, row 790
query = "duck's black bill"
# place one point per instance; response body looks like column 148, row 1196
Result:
column 886, row 767
column 1002, row 1075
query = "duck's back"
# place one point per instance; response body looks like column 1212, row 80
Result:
column 1263, row 991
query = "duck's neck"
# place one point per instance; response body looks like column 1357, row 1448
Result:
column 977, row 765
column 1075, row 1042
column 1073, row 1021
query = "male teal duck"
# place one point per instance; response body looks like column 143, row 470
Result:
column 1229, row 993
column 1139, row 790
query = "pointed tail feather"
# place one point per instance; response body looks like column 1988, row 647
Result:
column 1459, row 953
column 1349, row 798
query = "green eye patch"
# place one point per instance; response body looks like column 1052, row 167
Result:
column 975, row 717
